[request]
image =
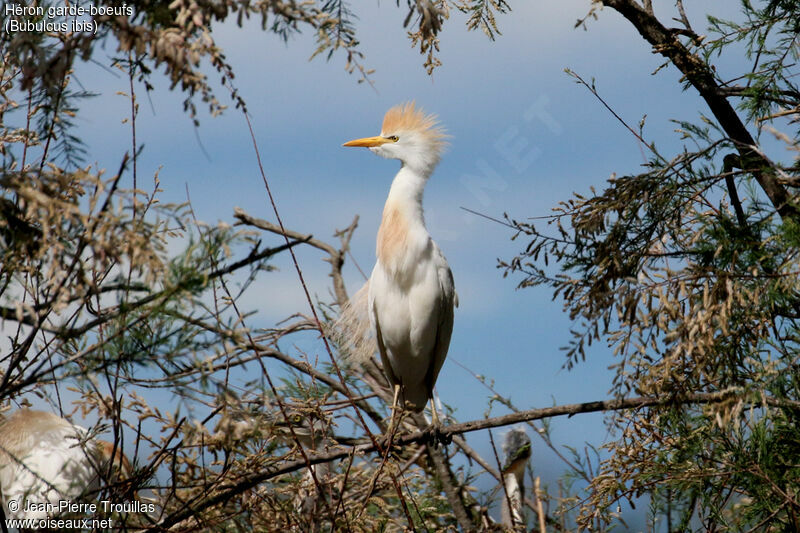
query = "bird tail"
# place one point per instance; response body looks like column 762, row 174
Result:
column 352, row 331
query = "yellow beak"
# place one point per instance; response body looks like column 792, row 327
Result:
column 368, row 141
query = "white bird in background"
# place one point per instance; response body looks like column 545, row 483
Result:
column 45, row 458
column 411, row 290
column 517, row 451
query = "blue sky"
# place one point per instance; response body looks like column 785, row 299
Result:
column 524, row 137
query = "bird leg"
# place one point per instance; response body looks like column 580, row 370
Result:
column 436, row 428
column 434, row 416
column 393, row 423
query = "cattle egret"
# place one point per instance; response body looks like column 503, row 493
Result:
column 517, row 451
column 46, row 459
column 411, row 290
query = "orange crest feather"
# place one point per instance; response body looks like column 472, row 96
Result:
column 407, row 117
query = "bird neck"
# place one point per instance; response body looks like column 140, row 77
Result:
column 514, row 494
column 406, row 193
column 516, row 470
column 513, row 483
column 402, row 233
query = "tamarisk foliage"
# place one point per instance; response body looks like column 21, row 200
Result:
column 689, row 272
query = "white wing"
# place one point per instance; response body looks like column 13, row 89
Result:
column 447, row 301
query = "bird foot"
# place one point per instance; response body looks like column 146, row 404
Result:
column 386, row 441
column 434, row 436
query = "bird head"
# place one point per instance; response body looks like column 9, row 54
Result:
column 517, row 449
column 411, row 136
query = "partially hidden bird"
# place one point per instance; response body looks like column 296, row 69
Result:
column 45, row 459
column 411, row 290
column 517, row 450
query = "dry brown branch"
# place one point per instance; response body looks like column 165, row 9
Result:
column 335, row 257
column 255, row 479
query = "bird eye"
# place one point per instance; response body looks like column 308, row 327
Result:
column 393, row 138
column 297, row 419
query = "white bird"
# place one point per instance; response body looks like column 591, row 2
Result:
column 517, row 450
column 46, row 459
column 411, row 289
